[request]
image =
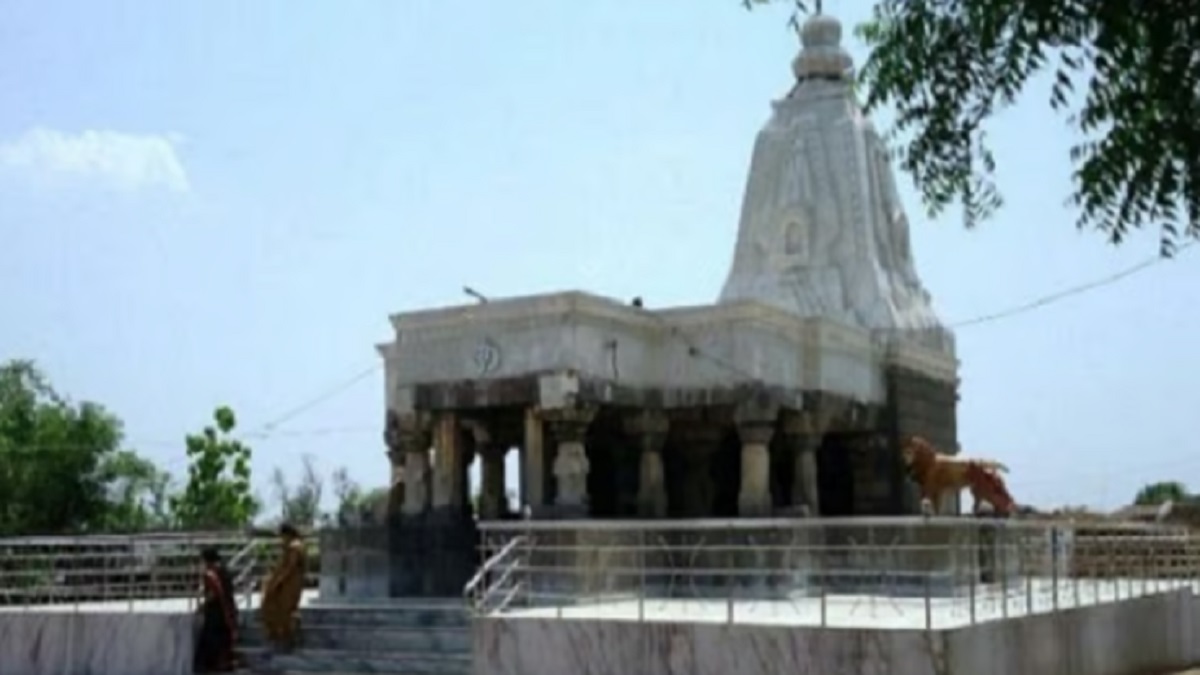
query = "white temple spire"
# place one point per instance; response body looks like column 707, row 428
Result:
column 822, row 231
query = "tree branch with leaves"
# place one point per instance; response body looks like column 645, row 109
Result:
column 217, row 494
column 1126, row 76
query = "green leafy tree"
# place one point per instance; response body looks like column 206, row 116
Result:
column 217, row 494
column 1158, row 493
column 1125, row 75
column 51, row 456
column 138, row 493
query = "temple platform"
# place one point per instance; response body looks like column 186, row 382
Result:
column 119, row 637
column 876, row 612
column 858, row 636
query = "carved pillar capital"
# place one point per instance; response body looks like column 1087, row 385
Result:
column 406, row 433
column 649, row 427
column 408, row 438
column 756, row 433
column 756, row 413
column 569, row 425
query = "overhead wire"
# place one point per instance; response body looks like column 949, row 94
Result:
column 1071, row 291
column 292, row 413
column 271, row 429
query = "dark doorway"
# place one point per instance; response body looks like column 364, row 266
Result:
column 835, row 477
column 726, row 474
column 783, row 472
column 673, row 476
column 605, row 438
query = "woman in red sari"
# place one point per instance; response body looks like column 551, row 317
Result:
column 218, row 632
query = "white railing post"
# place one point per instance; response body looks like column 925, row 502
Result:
column 642, row 571
column 1054, row 541
column 130, row 543
column 973, row 570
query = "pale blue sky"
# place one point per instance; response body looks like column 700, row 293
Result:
column 265, row 182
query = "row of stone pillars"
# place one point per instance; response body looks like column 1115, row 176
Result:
column 429, row 472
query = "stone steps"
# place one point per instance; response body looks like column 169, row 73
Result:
column 306, row 660
column 443, row 639
column 397, row 638
column 447, row 614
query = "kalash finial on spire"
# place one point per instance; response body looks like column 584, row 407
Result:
column 821, row 55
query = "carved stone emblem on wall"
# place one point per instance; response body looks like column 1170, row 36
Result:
column 486, row 357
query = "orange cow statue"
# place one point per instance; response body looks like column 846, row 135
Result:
column 936, row 474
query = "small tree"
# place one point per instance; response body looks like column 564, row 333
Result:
column 137, row 493
column 302, row 505
column 217, row 494
column 348, row 493
column 1158, row 493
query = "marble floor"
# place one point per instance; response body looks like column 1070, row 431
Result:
column 1035, row 596
column 990, row 603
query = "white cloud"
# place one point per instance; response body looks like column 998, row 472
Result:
column 114, row 160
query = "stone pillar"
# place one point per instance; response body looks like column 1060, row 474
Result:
column 393, row 438
column 533, row 462
column 805, row 493
column 571, row 466
column 754, row 497
column 449, row 490
column 755, row 427
column 804, row 432
column 396, row 459
column 492, row 500
column 407, row 437
column 650, row 428
column 416, row 483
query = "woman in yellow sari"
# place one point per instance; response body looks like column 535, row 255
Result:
column 282, row 589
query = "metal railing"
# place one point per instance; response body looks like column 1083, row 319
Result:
column 497, row 583
column 143, row 572
column 854, row 572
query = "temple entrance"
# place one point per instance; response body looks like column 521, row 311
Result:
column 612, row 473
column 835, row 477
column 726, row 476
column 783, row 473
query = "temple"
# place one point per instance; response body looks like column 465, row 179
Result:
column 786, row 397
